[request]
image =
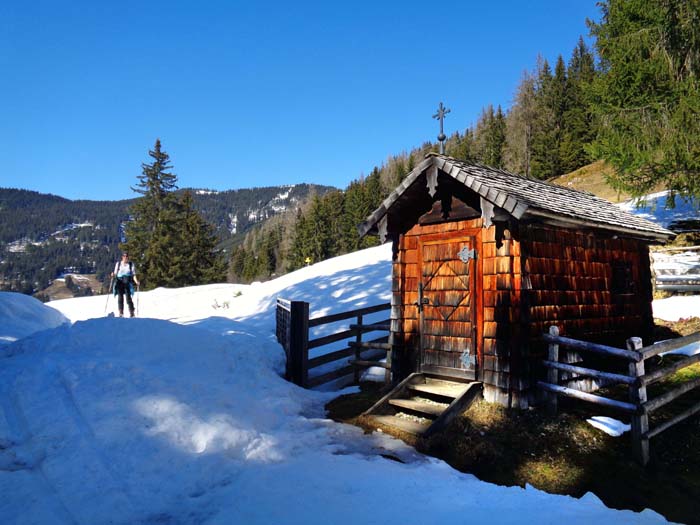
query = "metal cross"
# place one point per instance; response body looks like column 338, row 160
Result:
column 440, row 115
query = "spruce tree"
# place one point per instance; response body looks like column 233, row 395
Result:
column 168, row 240
column 647, row 98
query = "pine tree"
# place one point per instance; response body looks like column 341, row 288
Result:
column 647, row 98
column 520, row 126
column 578, row 130
column 168, row 240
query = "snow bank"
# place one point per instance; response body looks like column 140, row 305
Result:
column 148, row 420
column 653, row 208
column 677, row 307
column 22, row 315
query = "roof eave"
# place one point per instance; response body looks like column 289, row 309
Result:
column 649, row 235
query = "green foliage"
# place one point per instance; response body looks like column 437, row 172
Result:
column 170, row 242
column 647, row 100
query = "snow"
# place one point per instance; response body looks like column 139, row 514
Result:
column 677, row 307
column 182, row 416
column 610, row 426
column 653, row 207
column 22, row 315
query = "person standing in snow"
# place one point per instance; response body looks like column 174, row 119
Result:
column 125, row 273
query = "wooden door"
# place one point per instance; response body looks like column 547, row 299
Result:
column 447, row 294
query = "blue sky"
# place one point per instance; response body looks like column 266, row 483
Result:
column 247, row 94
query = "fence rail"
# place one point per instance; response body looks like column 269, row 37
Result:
column 677, row 269
column 292, row 331
column 638, row 405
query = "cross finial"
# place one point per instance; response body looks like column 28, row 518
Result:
column 440, row 115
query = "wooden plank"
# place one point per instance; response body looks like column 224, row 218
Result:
column 399, row 390
column 591, row 398
column 677, row 419
column 666, row 398
column 459, row 405
column 443, row 389
column 593, row 347
column 366, row 364
column 407, row 425
column 316, row 321
column 667, row 346
column 330, row 376
column 382, row 325
column 330, row 357
column 332, row 338
column 430, row 409
column 368, row 345
column 589, row 372
column 656, row 375
column 297, row 366
column 552, row 373
column 638, row 396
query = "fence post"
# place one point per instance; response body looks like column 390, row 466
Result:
column 553, row 373
column 358, row 349
column 638, row 396
column 299, row 343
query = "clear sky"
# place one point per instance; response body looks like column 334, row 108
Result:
column 247, row 94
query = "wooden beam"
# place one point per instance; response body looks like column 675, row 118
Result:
column 332, row 338
column 330, row 376
column 667, row 346
column 330, row 357
column 656, row 375
column 591, row 398
column 552, row 373
column 638, row 396
column 589, row 372
column 666, row 398
column 316, row 321
column 366, row 364
column 677, row 419
column 592, row 347
column 457, row 406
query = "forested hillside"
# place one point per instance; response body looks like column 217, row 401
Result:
column 632, row 103
column 43, row 236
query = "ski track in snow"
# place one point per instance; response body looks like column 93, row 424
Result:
column 20, row 436
column 107, row 483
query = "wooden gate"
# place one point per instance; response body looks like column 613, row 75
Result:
column 447, row 297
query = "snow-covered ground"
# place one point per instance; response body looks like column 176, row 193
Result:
column 653, row 208
column 181, row 416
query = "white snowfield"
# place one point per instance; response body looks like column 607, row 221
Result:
column 181, row 416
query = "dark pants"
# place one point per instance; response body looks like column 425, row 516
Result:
column 124, row 288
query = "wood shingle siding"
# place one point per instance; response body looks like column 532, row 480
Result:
column 485, row 261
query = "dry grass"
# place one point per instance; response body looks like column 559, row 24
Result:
column 565, row 455
column 592, row 178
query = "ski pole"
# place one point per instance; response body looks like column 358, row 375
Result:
column 109, row 292
column 138, row 289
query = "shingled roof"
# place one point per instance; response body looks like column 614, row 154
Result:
column 522, row 198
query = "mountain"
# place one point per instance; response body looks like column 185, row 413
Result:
column 45, row 236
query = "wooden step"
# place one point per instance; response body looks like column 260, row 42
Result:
column 431, row 409
column 440, row 388
column 407, row 425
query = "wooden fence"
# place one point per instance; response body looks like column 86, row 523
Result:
column 293, row 326
column 636, row 379
column 676, row 269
